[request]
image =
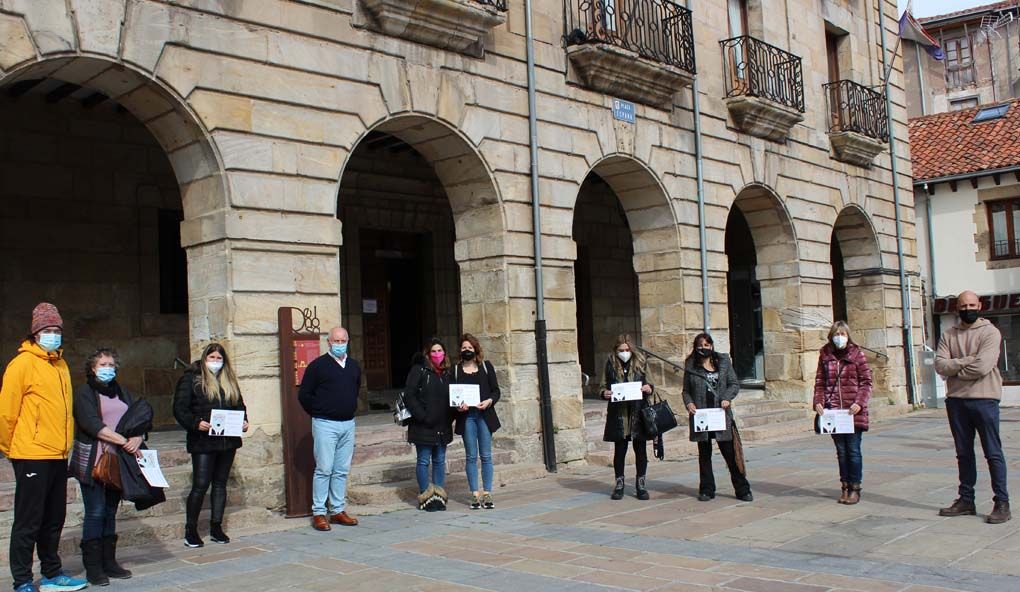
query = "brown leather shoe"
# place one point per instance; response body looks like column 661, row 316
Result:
column 343, row 519
column 321, row 523
column 854, row 494
column 845, row 494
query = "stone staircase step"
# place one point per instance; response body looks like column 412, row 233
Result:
column 399, row 469
column 396, row 494
column 771, row 431
column 773, row 417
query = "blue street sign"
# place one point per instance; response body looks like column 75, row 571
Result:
column 623, row 110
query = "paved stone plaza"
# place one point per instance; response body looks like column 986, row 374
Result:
column 563, row 533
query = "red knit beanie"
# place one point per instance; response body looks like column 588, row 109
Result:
column 45, row 315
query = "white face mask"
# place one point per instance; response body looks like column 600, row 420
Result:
column 214, row 367
column 839, row 341
column 624, row 356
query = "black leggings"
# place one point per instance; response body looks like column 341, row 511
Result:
column 209, row 468
column 640, row 456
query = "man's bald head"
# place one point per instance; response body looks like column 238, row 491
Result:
column 968, row 300
column 338, row 335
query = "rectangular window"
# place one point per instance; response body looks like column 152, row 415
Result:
column 1004, row 228
column 959, row 104
column 736, row 11
column 173, row 264
column 959, row 62
column 1009, row 357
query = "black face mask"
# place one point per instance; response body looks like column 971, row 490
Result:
column 703, row 352
column 969, row 316
column 467, row 355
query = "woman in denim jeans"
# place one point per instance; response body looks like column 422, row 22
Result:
column 427, row 396
column 843, row 381
column 477, row 424
column 98, row 407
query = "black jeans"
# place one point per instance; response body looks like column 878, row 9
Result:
column 967, row 416
column 212, row 468
column 40, row 505
column 100, row 511
column 740, row 484
column 640, row 456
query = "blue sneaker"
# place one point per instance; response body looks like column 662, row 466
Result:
column 26, row 587
column 61, row 583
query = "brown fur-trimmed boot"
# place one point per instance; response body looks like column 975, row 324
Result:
column 845, row 493
column 854, row 494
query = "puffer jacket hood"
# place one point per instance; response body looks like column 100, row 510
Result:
column 36, row 418
column 842, row 379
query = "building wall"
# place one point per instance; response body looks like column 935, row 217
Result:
column 81, row 191
column 259, row 107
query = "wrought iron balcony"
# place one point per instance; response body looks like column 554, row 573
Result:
column 856, row 108
column 497, row 4
column 757, row 69
column 858, row 129
column 642, row 50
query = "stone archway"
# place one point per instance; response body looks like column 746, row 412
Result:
column 118, row 162
column 763, row 289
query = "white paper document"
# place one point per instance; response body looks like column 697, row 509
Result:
column 464, row 394
column 836, row 421
column 149, row 463
column 226, row 423
column 712, row 419
column 626, row 391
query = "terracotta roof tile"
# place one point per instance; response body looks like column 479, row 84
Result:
column 975, row 10
column 948, row 144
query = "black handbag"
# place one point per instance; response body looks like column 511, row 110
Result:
column 657, row 418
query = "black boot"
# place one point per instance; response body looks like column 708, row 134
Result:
column 216, row 533
column 110, row 565
column 92, row 559
column 191, row 538
column 639, row 485
column 959, row 507
column 1000, row 513
column 618, row 490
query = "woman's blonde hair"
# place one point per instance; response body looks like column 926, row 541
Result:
column 212, row 384
column 836, row 328
column 637, row 359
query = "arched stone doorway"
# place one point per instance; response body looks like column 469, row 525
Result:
column 100, row 166
column 417, row 206
column 763, row 281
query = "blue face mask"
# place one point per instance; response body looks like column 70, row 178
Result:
column 106, row 374
column 50, row 341
column 338, row 350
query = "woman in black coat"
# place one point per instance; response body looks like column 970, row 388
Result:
column 477, row 424
column 99, row 404
column 623, row 418
column 210, row 383
column 427, row 396
column 709, row 382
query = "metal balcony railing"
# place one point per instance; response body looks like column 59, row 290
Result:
column 658, row 30
column 498, row 4
column 757, row 69
column 856, row 108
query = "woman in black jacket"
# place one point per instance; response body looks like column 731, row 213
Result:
column 210, row 383
column 477, row 424
column 99, row 405
column 427, row 395
column 710, row 381
column 623, row 418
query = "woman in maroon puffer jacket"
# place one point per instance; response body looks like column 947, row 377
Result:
column 843, row 381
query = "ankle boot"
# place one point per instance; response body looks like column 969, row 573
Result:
column 618, row 490
column 959, row 507
column 1000, row 513
column 854, row 495
column 110, row 565
column 92, row 559
column 191, row 538
column 639, row 485
column 216, row 533
column 845, row 492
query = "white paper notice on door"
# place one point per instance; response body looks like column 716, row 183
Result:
column 149, row 463
column 223, row 422
column 836, row 421
column 712, row 419
column 626, row 391
column 465, row 394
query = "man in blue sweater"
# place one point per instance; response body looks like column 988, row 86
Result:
column 329, row 393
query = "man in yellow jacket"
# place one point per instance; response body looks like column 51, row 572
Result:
column 36, row 433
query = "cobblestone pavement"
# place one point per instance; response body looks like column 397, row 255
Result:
column 563, row 533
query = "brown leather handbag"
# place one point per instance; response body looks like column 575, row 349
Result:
column 106, row 471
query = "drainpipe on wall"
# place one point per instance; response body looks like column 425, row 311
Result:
column 541, row 349
column 908, row 337
column 700, row 174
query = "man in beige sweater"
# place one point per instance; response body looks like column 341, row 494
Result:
column 968, row 358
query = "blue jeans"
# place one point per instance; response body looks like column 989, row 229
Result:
column 100, row 511
column 967, row 416
column 478, row 443
column 436, row 455
column 333, row 443
column 848, row 453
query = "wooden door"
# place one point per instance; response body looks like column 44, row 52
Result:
column 374, row 313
